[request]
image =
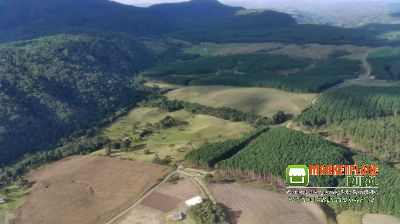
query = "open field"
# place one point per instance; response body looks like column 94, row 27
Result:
column 313, row 51
column 246, row 204
column 380, row 218
column 263, row 101
column 85, row 189
column 349, row 217
column 161, row 85
column 166, row 197
column 176, row 141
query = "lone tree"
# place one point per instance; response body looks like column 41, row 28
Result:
column 279, row 117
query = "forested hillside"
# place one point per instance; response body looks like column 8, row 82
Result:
column 20, row 19
column 195, row 12
column 52, row 87
column 367, row 115
column 353, row 102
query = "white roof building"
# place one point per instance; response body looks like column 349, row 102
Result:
column 2, row 201
column 194, row 201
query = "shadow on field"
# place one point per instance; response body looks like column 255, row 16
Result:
column 232, row 216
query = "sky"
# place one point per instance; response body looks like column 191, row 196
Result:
column 250, row 3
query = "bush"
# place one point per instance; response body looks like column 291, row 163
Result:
column 207, row 213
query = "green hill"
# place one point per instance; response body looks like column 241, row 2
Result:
column 20, row 19
column 55, row 86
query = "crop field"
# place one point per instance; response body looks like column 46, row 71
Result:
column 312, row 51
column 262, row 101
column 85, row 189
column 246, row 204
column 166, row 198
column 175, row 141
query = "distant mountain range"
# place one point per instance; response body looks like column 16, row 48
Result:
column 20, row 19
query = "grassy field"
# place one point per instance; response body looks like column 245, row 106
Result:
column 263, row 101
column 176, row 141
column 13, row 196
column 313, row 51
column 349, row 217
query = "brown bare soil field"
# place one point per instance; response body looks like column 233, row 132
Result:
column 161, row 202
column 151, row 210
column 85, row 189
column 246, row 204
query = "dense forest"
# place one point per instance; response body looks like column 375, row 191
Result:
column 211, row 153
column 353, row 102
column 259, row 71
column 270, row 154
column 386, row 67
column 55, row 86
column 387, row 201
column 379, row 137
column 21, row 19
column 367, row 115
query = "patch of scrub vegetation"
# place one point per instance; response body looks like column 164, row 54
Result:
column 171, row 143
column 262, row 101
column 12, row 194
column 273, row 150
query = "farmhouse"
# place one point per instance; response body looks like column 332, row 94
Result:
column 194, row 201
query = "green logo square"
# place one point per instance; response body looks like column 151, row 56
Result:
column 297, row 176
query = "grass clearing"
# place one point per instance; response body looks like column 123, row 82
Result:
column 13, row 197
column 262, row 101
column 175, row 141
column 350, row 217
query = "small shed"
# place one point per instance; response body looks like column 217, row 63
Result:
column 194, row 201
column 2, row 201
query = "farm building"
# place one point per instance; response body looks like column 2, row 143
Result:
column 2, row 201
column 175, row 217
column 194, row 201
